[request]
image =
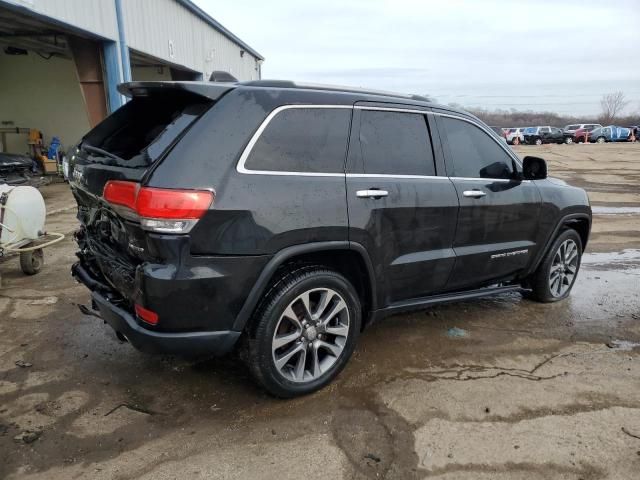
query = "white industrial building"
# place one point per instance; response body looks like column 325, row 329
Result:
column 61, row 60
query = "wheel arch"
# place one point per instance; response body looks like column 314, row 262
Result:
column 348, row 258
column 580, row 222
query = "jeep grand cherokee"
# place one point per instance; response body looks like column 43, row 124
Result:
column 283, row 218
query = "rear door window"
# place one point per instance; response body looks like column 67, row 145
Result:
column 395, row 143
column 474, row 153
column 312, row 140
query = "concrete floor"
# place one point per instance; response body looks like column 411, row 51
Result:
column 529, row 391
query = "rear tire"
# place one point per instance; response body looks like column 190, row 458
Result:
column 32, row 262
column 538, row 141
column 304, row 331
column 556, row 275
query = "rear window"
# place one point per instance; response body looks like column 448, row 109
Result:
column 572, row 127
column 310, row 140
column 141, row 131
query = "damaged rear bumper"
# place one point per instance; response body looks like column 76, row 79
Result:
column 181, row 343
column 196, row 343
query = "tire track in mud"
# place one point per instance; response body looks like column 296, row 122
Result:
column 377, row 441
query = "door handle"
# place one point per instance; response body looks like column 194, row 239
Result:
column 371, row 193
column 474, row 193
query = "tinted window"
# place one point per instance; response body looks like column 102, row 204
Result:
column 137, row 134
column 303, row 140
column 395, row 143
column 474, row 154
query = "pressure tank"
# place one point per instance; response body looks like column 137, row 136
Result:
column 22, row 214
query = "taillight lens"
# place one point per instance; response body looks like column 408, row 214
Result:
column 118, row 192
column 176, row 204
column 146, row 315
column 161, row 210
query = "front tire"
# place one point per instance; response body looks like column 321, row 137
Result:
column 304, row 331
column 601, row 140
column 555, row 276
column 568, row 140
column 538, row 141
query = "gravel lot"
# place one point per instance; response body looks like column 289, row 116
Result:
column 486, row 389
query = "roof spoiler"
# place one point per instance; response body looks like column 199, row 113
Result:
column 210, row 90
column 222, row 76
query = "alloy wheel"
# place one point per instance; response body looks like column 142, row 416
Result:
column 311, row 335
column 564, row 268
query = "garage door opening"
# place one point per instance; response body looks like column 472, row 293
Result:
column 51, row 88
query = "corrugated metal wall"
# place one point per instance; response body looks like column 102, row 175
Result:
column 160, row 28
column 96, row 16
column 167, row 30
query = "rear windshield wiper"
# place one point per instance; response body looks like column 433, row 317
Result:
column 99, row 151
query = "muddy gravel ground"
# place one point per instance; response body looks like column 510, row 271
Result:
column 498, row 388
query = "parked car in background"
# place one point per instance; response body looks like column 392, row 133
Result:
column 540, row 135
column 515, row 136
column 15, row 169
column 571, row 131
column 611, row 133
column 500, row 132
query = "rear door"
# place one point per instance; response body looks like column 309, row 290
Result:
column 556, row 134
column 545, row 133
column 402, row 207
column 498, row 217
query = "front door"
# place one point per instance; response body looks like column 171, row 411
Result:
column 400, row 210
column 498, row 218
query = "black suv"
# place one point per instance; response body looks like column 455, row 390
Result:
column 540, row 135
column 283, row 218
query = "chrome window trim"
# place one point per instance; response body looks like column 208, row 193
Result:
column 241, row 168
column 483, row 179
column 389, row 175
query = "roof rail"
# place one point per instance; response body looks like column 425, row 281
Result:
column 331, row 88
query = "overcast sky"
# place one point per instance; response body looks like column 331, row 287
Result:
column 552, row 55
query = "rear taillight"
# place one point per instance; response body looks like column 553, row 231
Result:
column 146, row 315
column 160, row 210
column 121, row 193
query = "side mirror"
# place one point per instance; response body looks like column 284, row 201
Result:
column 534, row 168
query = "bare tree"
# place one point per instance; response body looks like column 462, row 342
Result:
column 612, row 105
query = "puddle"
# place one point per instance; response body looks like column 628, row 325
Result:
column 630, row 256
column 456, row 332
column 623, row 345
column 615, row 210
